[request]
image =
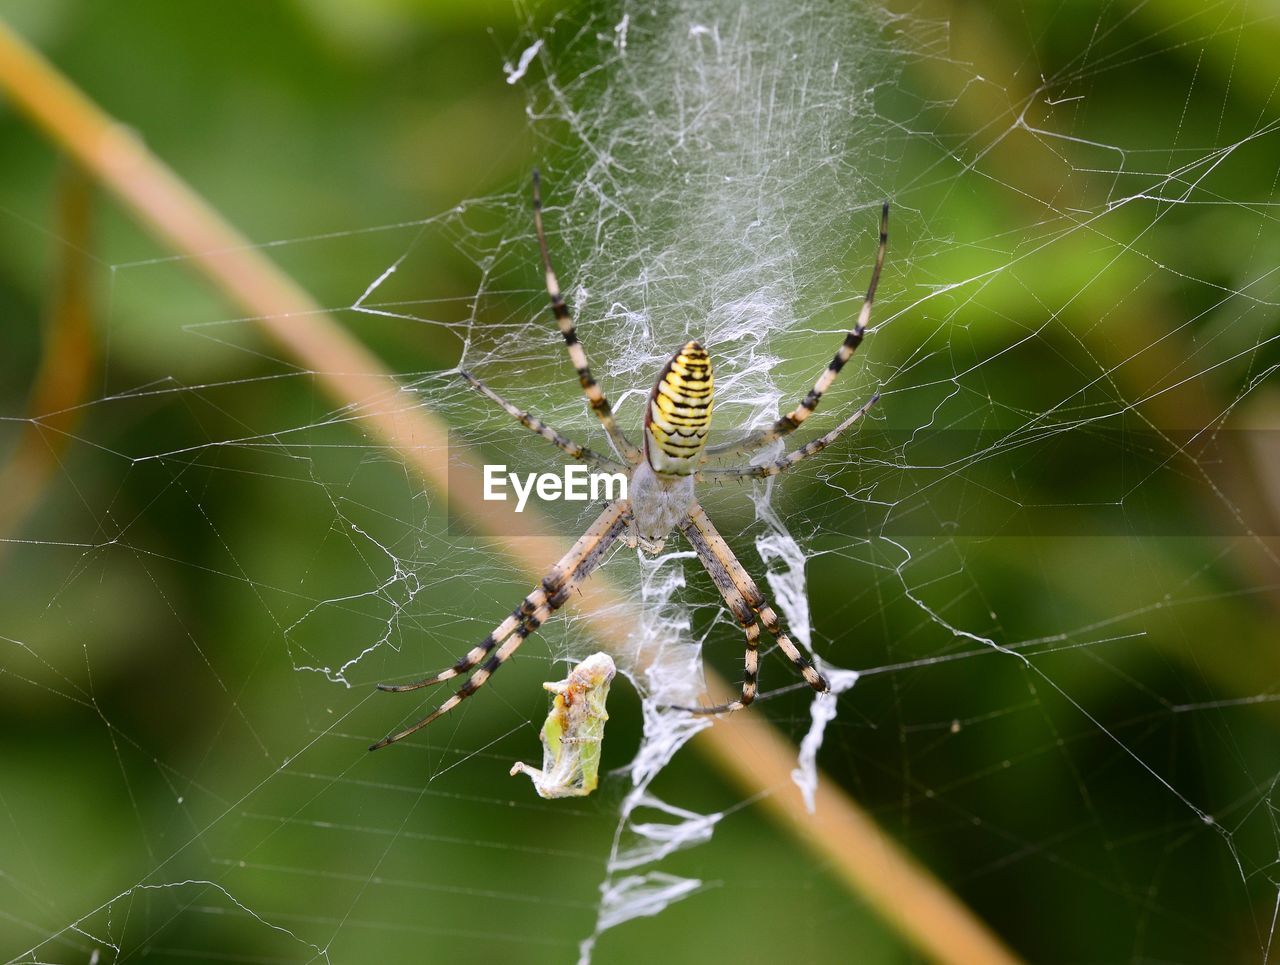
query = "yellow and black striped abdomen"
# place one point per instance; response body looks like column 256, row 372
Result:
column 679, row 413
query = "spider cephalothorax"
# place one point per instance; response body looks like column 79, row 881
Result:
column 673, row 457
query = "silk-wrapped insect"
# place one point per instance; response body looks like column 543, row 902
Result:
column 573, row 731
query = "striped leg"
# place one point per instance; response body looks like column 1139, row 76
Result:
column 746, row 619
column 793, row 419
column 723, row 565
column 555, row 588
column 790, row 459
column 577, row 354
column 532, row 422
column 531, row 604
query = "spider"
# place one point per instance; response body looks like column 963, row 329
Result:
column 672, row 457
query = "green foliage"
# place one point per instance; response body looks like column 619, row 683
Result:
column 153, row 618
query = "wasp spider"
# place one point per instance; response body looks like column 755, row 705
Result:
column 673, row 456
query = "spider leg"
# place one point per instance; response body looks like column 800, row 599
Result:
column 533, row 423
column 478, row 679
column 577, row 354
column 793, row 419
column 536, row 608
column 747, row 603
column 746, row 619
column 792, row 458
column 519, row 616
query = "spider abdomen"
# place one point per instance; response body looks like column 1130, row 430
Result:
column 679, row 413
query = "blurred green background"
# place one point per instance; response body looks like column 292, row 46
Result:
column 1115, row 801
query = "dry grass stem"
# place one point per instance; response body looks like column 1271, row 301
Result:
column 66, row 361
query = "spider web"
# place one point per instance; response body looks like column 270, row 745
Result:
column 1062, row 701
